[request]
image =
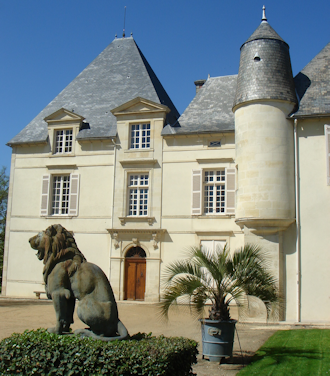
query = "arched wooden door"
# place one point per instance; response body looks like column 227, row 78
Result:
column 135, row 274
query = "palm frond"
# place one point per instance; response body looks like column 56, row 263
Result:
column 180, row 267
column 219, row 277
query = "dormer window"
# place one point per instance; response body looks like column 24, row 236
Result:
column 63, row 126
column 63, row 141
column 140, row 136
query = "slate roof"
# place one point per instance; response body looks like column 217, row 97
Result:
column 313, row 86
column 265, row 71
column 264, row 31
column 119, row 74
column 210, row 111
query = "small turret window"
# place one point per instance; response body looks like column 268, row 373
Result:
column 256, row 57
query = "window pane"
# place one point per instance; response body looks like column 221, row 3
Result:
column 61, row 194
column 63, row 141
column 214, row 191
column 138, row 197
column 140, row 136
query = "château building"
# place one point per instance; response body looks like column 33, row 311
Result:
column 248, row 161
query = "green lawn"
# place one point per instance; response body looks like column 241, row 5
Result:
column 293, row 352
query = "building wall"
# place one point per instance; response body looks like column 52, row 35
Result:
column 314, row 220
column 22, row 270
column 183, row 155
column 164, row 235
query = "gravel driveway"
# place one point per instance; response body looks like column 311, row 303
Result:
column 18, row 315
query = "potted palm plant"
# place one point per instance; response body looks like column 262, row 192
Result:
column 217, row 279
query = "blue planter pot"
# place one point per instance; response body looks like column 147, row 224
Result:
column 217, row 338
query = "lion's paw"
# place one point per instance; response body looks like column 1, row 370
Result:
column 54, row 330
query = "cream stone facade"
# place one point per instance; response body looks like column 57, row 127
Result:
column 248, row 161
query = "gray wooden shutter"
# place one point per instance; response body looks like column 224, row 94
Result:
column 327, row 146
column 196, row 192
column 230, row 190
column 45, row 195
column 74, row 194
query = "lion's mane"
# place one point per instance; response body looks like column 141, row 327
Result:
column 60, row 245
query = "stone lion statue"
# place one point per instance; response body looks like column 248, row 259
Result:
column 68, row 276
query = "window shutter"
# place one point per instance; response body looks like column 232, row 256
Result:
column 74, row 194
column 327, row 147
column 44, row 195
column 230, row 190
column 196, row 192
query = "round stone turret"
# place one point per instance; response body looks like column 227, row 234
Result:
column 265, row 98
column 265, row 68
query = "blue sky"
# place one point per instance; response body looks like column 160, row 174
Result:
column 45, row 44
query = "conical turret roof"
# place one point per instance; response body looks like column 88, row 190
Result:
column 119, row 74
column 264, row 31
column 265, row 68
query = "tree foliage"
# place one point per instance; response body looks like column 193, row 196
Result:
column 219, row 277
column 3, row 212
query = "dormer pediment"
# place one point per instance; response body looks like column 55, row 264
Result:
column 63, row 116
column 139, row 106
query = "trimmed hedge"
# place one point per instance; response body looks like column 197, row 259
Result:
column 38, row 352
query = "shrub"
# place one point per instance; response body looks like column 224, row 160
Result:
column 41, row 353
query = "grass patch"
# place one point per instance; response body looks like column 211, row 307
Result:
column 293, row 352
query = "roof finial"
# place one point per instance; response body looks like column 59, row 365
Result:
column 124, row 22
column 264, row 18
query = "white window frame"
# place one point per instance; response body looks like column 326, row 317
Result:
column 63, row 141
column 140, row 135
column 214, row 192
column 60, row 192
column 327, row 148
column 138, row 184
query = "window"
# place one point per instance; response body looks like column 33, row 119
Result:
column 213, row 245
column 140, row 136
column 63, row 141
column 213, row 191
column 214, row 144
column 138, row 187
column 59, row 195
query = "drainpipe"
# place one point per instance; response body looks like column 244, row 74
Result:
column 113, row 202
column 296, row 173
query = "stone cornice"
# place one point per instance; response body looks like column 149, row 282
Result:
column 265, row 225
column 154, row 234
column 140, row 161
